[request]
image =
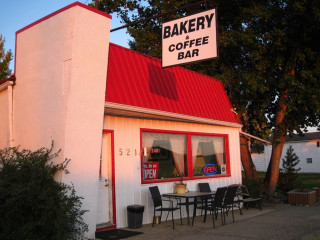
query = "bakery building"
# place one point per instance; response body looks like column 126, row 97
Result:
column 125, row 122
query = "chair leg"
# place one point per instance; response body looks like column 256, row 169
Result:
column 223, row 216
column 192, row 219
column 260, row 203
column 232, row 213
column 213, row 216
column 172, row 220
column 205, row 215
column 154, row 215
column 167, row 216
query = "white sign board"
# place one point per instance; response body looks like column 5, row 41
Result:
column 189, row 39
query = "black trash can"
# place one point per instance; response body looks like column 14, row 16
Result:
column 135, row 214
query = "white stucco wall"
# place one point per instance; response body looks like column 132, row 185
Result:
column 61, row 69
column 303, row 149
column 129, row 189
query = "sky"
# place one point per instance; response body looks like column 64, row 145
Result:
column 16, row 14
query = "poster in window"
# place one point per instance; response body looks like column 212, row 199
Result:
column 150, row 170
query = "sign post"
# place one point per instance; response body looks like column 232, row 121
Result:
column 189, row 39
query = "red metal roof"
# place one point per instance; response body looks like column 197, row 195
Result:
column 138, row 80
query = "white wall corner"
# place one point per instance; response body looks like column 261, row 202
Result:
column 85, row 114
column 61, row 69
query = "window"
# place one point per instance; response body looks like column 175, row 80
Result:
column 208, row 156
column 170, row 156
column 309, row 160
column 164, row 156
column 318, row 144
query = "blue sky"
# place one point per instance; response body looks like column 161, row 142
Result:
column 16, row 14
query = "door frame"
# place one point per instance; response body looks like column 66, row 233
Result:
column 113, row 180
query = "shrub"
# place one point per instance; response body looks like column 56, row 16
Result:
column 288, row 175
column 32, row 204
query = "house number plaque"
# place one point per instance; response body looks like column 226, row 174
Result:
column 128, row 152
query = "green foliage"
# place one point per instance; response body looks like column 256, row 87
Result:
column 5, row 58
column 288, row 175
column 32, row 204
column 269, row 59
column 253, row 186
column 265, row 48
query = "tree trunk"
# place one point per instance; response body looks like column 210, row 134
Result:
column 246, row 160
column 280, row 133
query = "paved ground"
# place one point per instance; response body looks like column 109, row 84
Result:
column 275, row 221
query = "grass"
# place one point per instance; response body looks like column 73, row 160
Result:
column 309, row 180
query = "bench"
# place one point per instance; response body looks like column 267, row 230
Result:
column 249, row 201
column 244, row 197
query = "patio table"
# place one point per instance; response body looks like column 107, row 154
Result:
column 187, row 196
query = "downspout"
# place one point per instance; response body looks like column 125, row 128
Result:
column 10, row 112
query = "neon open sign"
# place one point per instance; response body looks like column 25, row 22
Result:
column 210, row 169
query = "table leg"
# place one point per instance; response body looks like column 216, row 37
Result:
column 187, row 208
column 194, row 210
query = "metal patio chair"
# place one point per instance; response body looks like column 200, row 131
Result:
column 214, row 206
column 158, row 205
column 205, row 187
column 228, row 201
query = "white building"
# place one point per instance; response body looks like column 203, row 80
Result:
column 306, row 147
column 116, row 114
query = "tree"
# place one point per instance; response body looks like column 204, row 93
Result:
column 268, row 62
column 230, row 68
column 32, row 204
column 289, row 61
column 288, row 177
column 5, row 58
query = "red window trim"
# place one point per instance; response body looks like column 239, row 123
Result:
column 189, row 155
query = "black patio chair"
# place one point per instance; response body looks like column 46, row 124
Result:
column 214, row 206
column 205, row 187
column 157, row 205
column 238, row 201
column 228, row 201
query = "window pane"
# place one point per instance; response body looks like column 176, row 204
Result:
column 208, row 155
column 164, row 156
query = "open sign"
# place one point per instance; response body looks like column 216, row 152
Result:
column 210, row 169
column 150, row 170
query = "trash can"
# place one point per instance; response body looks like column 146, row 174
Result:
column 135, row 214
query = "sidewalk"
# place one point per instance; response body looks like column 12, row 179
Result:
column 275, row 221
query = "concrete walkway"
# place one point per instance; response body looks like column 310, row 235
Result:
column 275, row 221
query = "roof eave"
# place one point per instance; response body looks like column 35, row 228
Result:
column 133, row 111
column 7, row 82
